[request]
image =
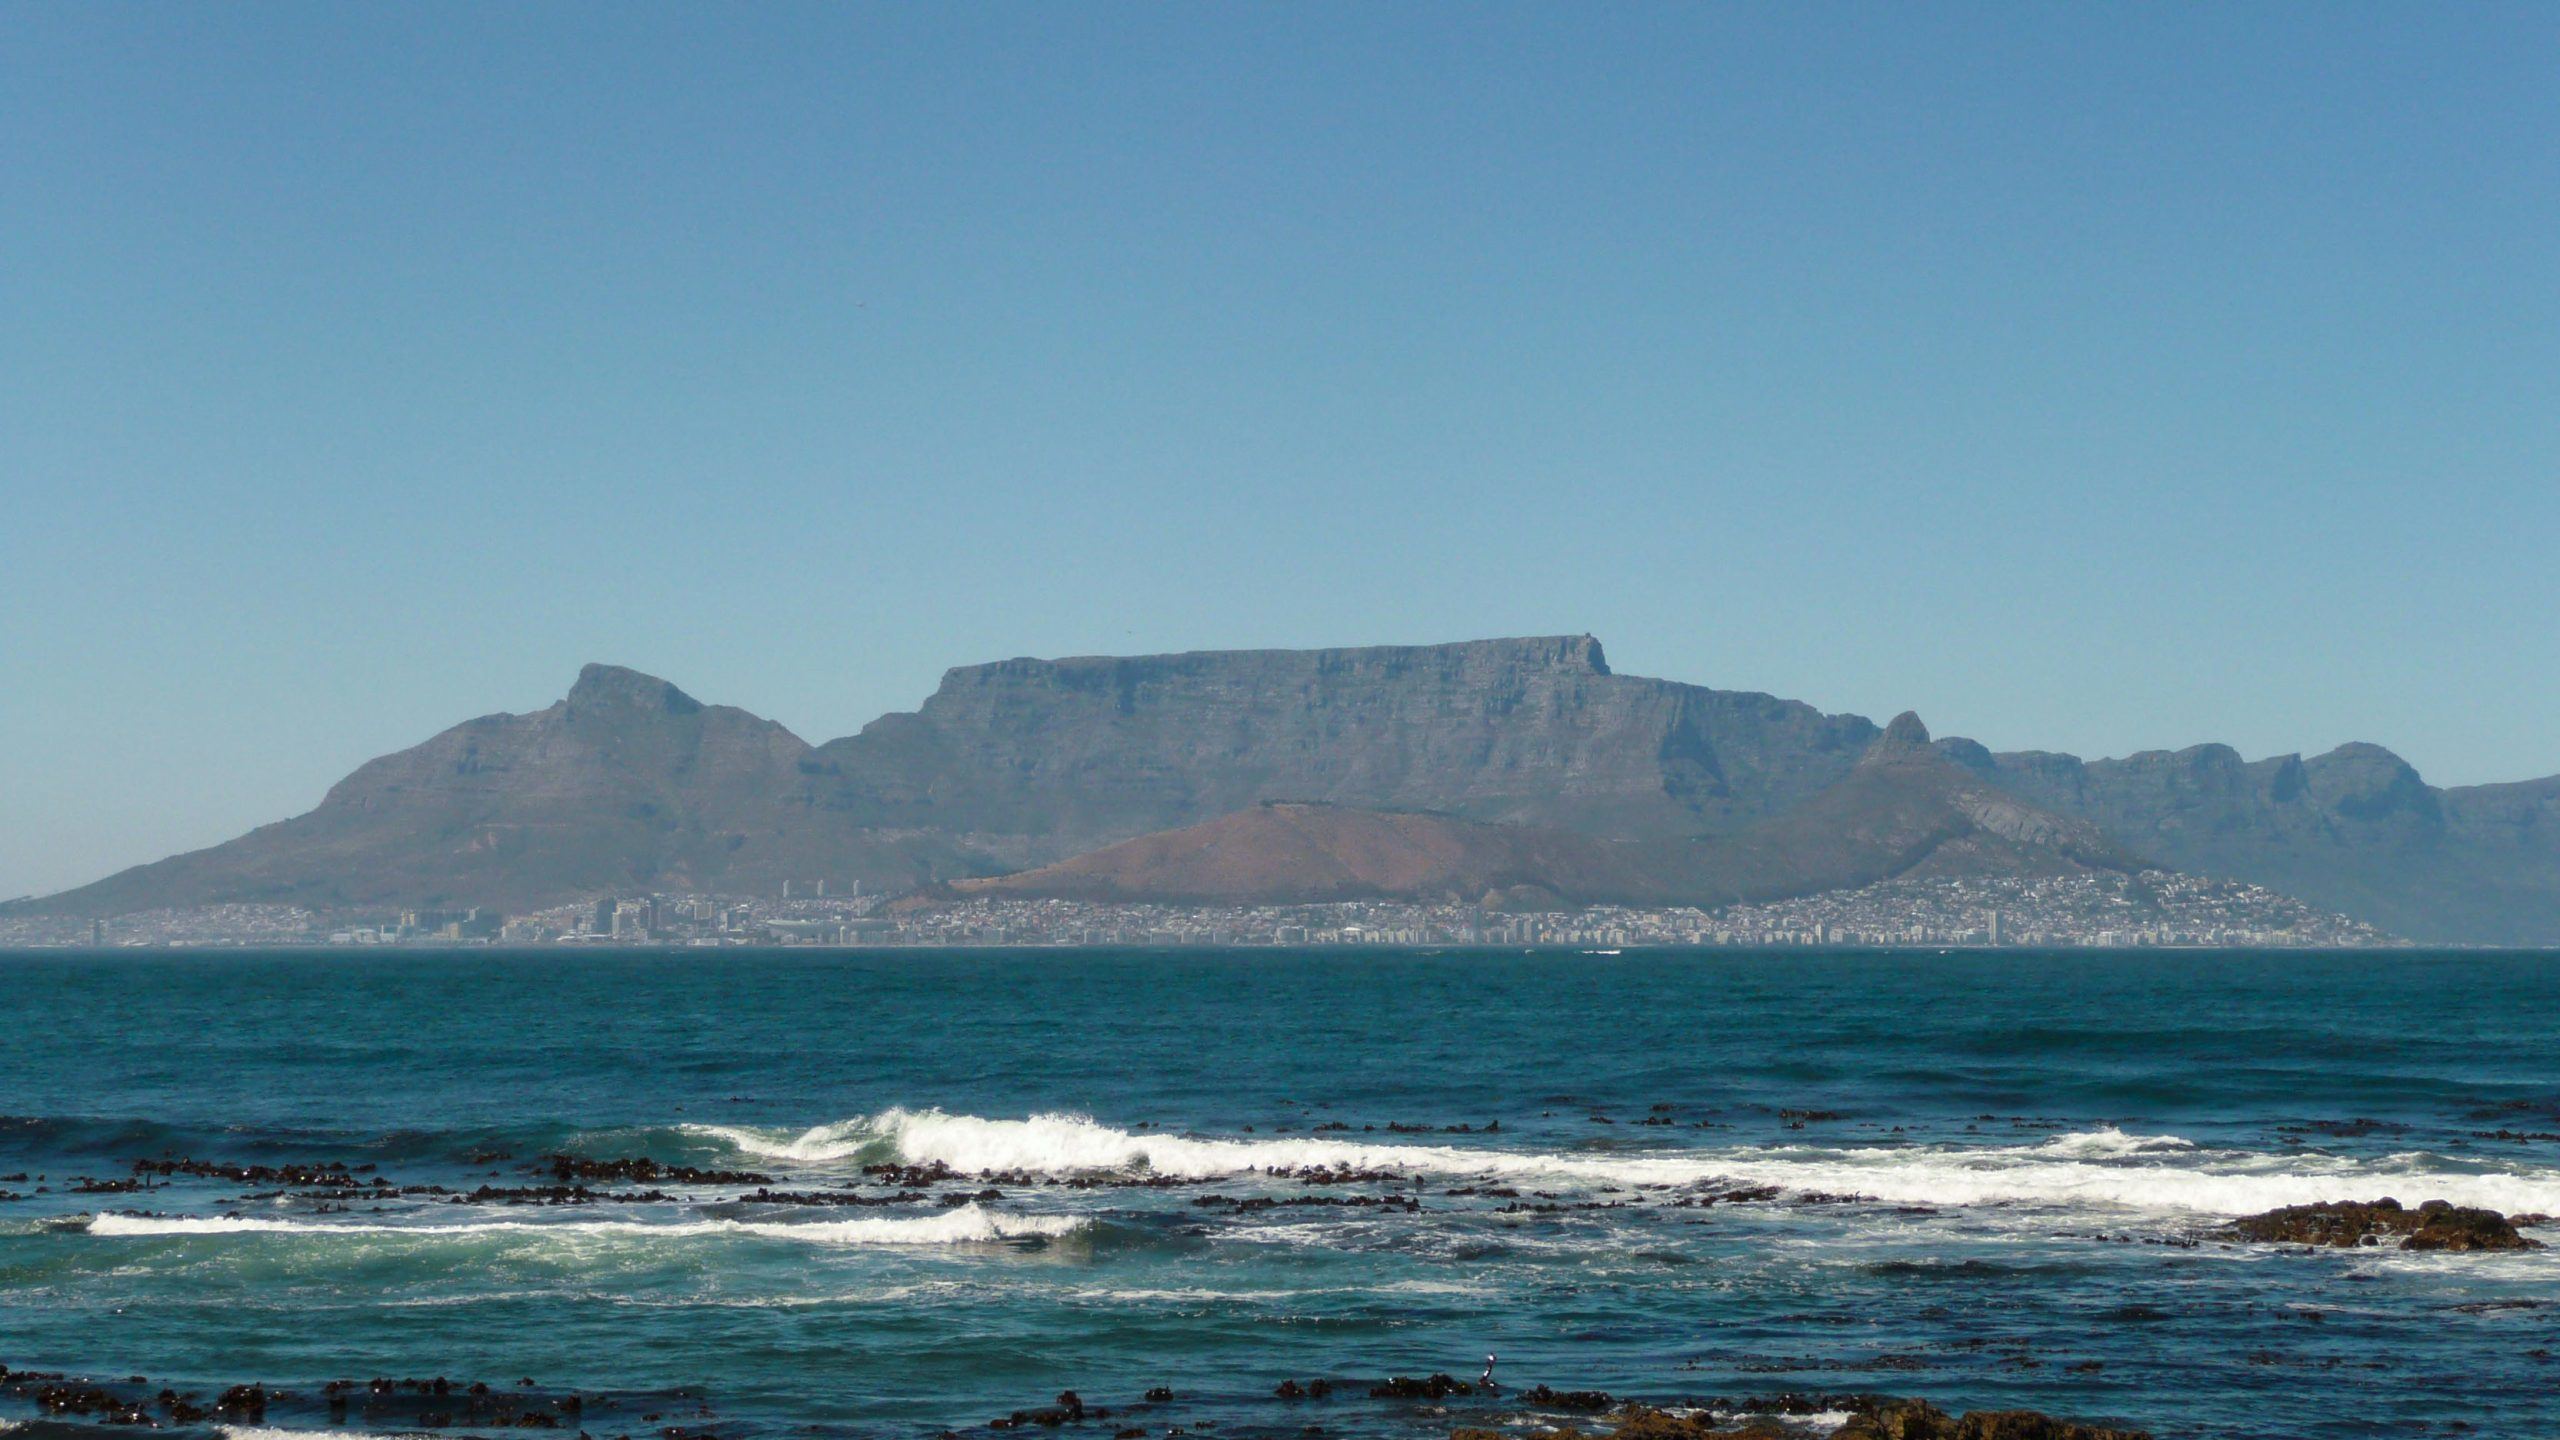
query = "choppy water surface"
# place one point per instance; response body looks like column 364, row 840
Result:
column 1990, row 1176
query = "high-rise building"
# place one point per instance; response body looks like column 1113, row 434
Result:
column 605, row 908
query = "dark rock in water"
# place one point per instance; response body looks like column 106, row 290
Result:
column 1436, row 1387
column 328, row 1174
column 644, row 1170
column 1070, row 1410
column 1590, row 1400
column 1919, row 1420
column 2449, row 1227
column 90, row 1402
column 2343, row 1224
column 244, row 1402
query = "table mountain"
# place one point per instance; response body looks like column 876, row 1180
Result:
column 1040, row 759
column 629, row 783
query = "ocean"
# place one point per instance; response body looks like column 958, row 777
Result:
column 1987, row 1179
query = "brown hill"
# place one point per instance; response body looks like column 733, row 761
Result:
column 1904, row 810
column 1279, row 853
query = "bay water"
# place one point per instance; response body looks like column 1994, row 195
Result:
column 953, row 1185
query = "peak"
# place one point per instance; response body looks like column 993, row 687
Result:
column 1905, row 733
column 612, row 686
column 1583, row 651
column 1905, row 739
column 2362, row 752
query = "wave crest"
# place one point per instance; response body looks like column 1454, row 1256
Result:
column 2104, row 1168
column 962, row 1225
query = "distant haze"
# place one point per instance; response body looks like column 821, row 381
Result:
column 2098, row 378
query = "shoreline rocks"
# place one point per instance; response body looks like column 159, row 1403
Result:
column 2348, row 1224
column 685, row 1414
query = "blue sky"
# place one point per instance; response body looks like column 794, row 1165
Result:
column 2085, row 377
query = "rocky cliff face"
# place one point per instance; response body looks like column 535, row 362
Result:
column 1036, row 760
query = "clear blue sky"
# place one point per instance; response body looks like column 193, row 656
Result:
column 2085, row 377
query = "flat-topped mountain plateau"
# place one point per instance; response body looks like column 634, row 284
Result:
column 1521, row 769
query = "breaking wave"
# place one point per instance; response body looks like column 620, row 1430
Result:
column 965, row 1225
column 270, row 1432
column 2099, row 1168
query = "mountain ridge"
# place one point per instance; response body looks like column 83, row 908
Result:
column 629, row 782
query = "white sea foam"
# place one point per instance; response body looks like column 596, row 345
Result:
column 2098, row 1168
column 967, row 1224
column 841, row 1141
column 2108, row 1142
column 270, row 1432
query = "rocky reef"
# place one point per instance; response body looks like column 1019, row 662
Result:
column 2345, row 1224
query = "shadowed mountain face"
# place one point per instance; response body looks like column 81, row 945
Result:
column 629, row 783
column 1906, row 810
column 1903, row 810
column 2355, row 830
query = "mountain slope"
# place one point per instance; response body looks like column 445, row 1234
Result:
column 1905, row 811
column 627, row 782
column 2355, row 830
column 1287, row 854
column 1902, row 811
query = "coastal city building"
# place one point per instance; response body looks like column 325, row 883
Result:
column 2150, row 909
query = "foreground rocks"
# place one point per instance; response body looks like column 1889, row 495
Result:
column 414, row 1404
column 2346, row 1224
column 1870, row 1418
column 378, row 1404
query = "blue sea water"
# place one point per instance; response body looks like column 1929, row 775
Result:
column 1995, row 1176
